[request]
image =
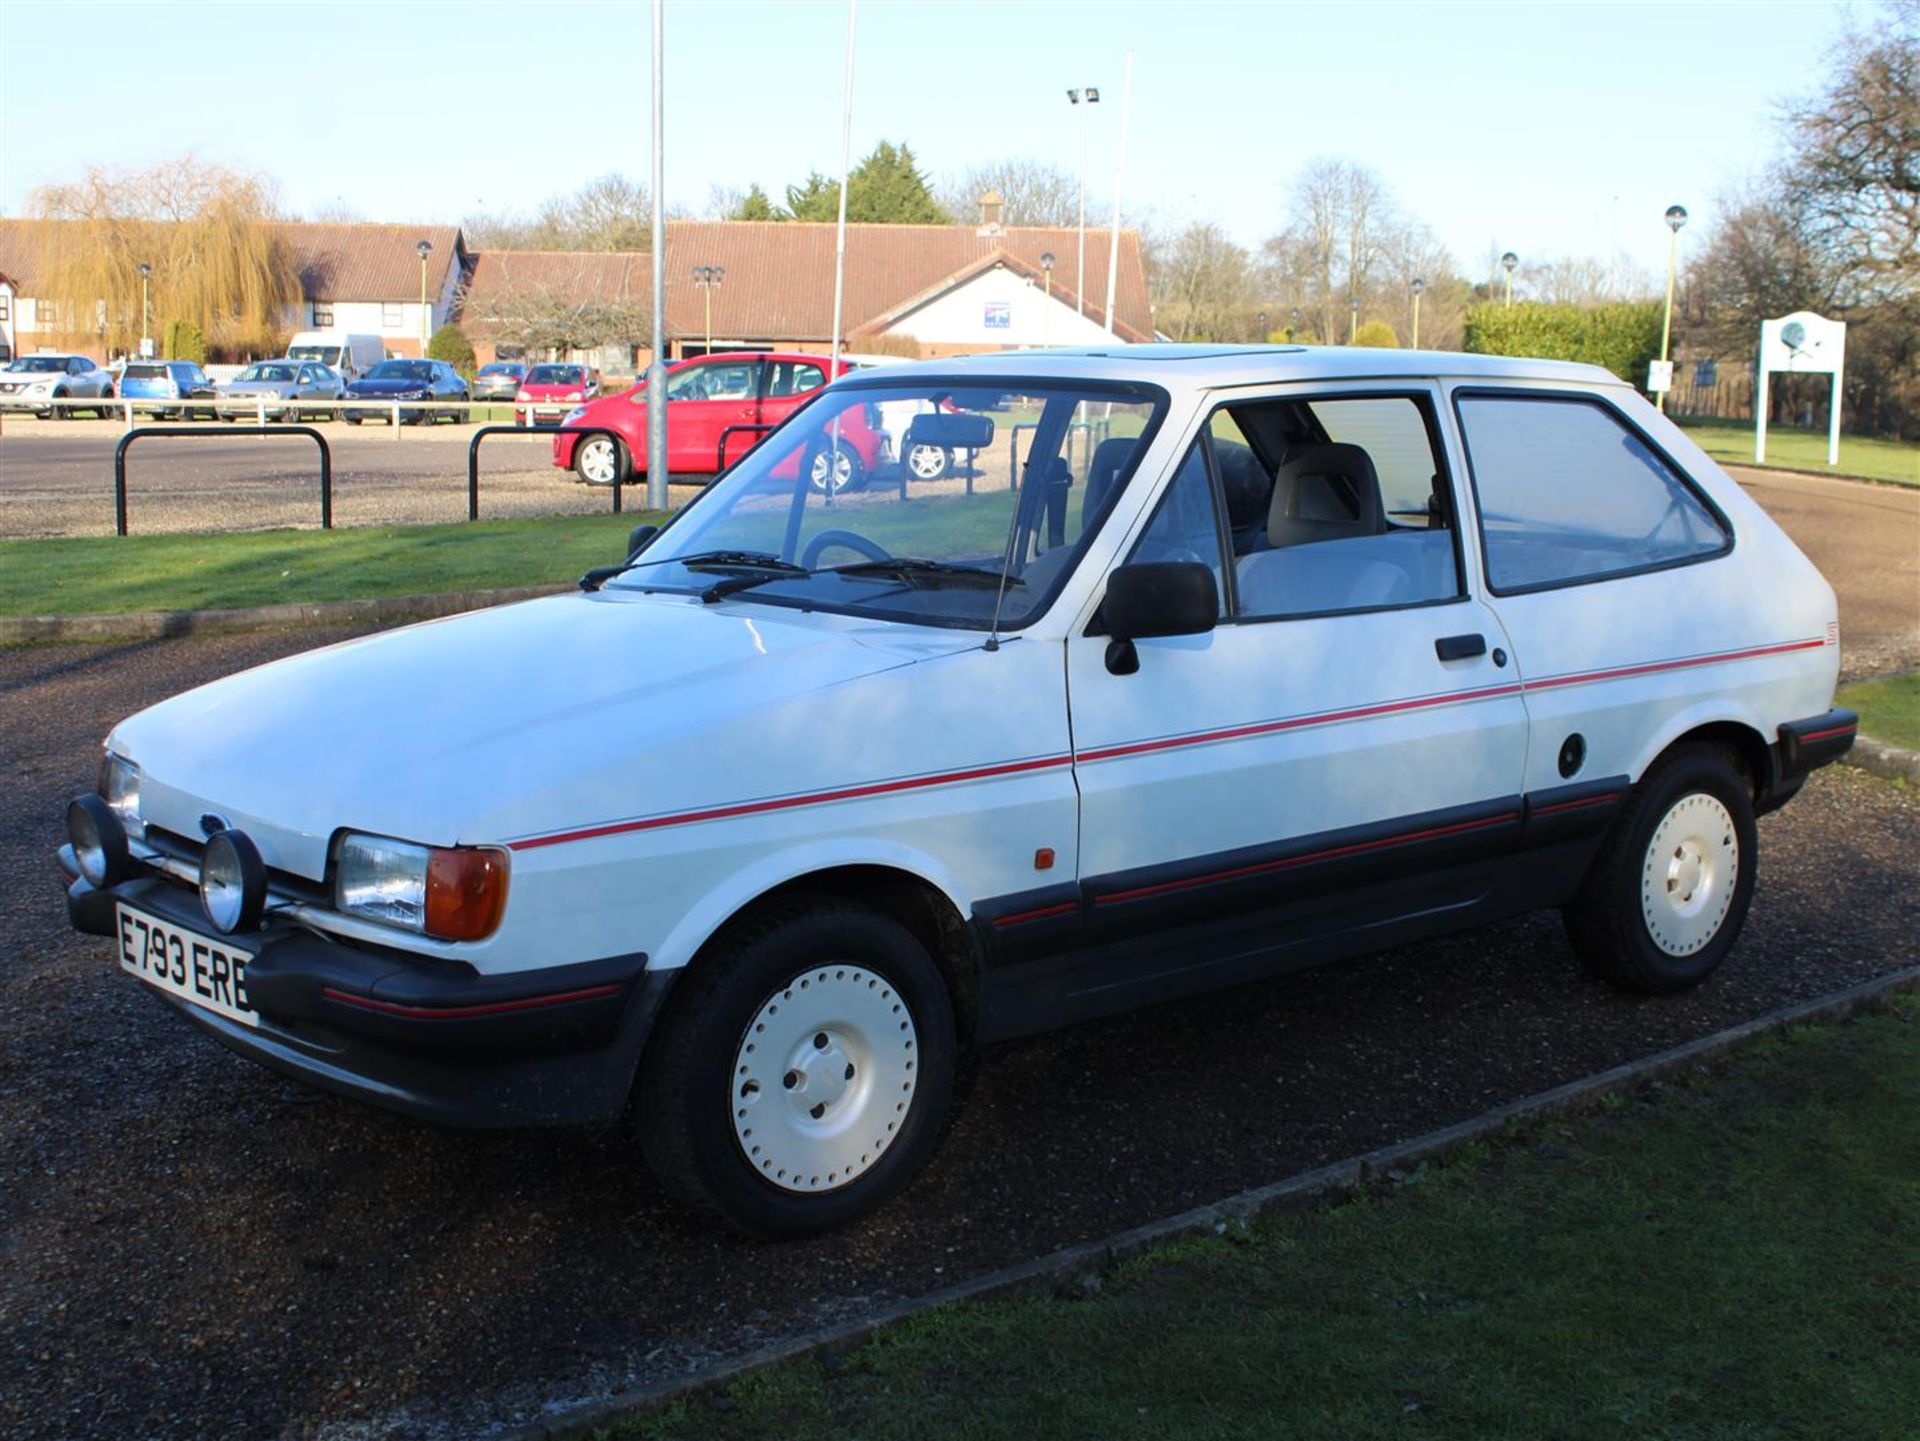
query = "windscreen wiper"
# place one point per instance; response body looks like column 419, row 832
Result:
column 759, row 562
column 913, row 570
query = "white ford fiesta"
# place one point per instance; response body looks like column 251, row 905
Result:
column 1194, row 666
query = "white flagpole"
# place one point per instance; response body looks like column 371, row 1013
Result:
column 657, row 368
column 1119, row 170
column 846, row 162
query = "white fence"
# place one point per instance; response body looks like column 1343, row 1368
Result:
column 257, row 409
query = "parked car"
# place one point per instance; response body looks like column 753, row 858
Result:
column 499, row 380
column 560, row 387
column 1232, row 661
column 31, row 382
column 165, row 388
column 411, row 380
column 284, row 380
column 717, row 407
column 351, row 356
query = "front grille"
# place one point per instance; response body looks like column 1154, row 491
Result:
column 282, row 883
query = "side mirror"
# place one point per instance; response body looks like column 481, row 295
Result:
column 638, row 537
column 1156, row 598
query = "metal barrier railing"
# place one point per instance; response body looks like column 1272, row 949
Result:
column 130, row 411
column 188, row 431
column 473, row 455
column 757, row 431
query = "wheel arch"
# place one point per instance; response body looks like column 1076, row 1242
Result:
column 1741, row 735
column 912, row 895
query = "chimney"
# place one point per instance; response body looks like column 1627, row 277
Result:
column 990, row 204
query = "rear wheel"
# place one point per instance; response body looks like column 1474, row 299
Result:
column 802, row 1072
column 600, row 460
column 845, row 469
column 1669, row 891
column 928, row 462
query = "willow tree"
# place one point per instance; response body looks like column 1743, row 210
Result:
column 208, row 234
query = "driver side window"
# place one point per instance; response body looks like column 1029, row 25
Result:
column 1186, row 523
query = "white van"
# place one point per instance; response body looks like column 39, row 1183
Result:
column 352, row 355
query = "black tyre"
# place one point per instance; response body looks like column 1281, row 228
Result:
column 599, row 459
column 802, row 1071
column 1669, row 890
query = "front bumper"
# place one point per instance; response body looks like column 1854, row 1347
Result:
column 423, row 1036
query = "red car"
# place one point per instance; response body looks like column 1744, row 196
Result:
column 717, row 407
column 550, row 391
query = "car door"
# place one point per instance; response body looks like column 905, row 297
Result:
column 703, row 401
column 1342, row 754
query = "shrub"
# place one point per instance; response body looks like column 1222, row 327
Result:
column 1623, row 337
column 887, row 343
column 1378, row 334
column 449, row 343
column 182, row 340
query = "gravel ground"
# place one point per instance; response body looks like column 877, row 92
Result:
column 189, row 1249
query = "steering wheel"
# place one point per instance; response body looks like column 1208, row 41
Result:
column 827, row 539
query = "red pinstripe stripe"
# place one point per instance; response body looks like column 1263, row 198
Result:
column 1333, row 852
column 457, row 1013
column 1606, row 799
column 1242, row 732
column 1019, row 917
column 782, row 803
column 1829, row 734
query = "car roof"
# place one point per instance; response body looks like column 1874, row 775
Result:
column 1205, row 367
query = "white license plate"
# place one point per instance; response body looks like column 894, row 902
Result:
column 208, row 973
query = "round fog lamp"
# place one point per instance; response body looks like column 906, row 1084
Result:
column 233, row 882
column 99, row 841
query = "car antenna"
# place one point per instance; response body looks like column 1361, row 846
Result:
column 1006, row 569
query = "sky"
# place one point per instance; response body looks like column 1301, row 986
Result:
column 1552, row 128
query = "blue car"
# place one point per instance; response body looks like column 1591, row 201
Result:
column 173, row 382
column 406, row 380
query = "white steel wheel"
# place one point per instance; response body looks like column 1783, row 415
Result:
column 823, row 1078
column 597, row 461
column 1689, row 873
column 928, row 462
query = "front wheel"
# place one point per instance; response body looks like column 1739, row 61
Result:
column 1669, row 890
column 928, row 462
column 601, row 460
column 802, row 1072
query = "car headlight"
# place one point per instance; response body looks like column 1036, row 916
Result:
column 120, row 785
column 456, row 894
column 40, row 387
column 573, row 395
column 572, row 415
column 523, row 396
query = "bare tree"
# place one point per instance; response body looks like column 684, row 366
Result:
column 607, row 214
column 550, row 318
column 1201, row 284
column 1031, row 192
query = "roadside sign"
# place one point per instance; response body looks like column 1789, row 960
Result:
column 1659, row 375
column 999, row 315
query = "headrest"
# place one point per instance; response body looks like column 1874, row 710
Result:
column 1109, row 456
column 1325, row 492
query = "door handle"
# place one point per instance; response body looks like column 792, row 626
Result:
column 1460, row 647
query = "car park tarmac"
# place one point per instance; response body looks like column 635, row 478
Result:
column 189, row 1248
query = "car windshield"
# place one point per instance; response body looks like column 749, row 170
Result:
column 266, row 372
column 325, row 354
column 831, row 511
column 555, row 375
column 40, row 363
column 401, row 370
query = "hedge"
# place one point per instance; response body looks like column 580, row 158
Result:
column 1623, row 337
column 449, row 343
column 182, row 340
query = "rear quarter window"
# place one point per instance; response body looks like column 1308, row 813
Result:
column 1569, row 492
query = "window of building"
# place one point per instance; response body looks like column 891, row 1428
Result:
column 6, row 306
column 390, row 316
column 322, row 316
column 1569, row 493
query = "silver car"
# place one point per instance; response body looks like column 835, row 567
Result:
column 499, row 380
column 283, row 380
column 33, row 382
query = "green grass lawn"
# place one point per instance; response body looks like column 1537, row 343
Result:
column 1737, row 1256
column 1889, row 708
column 98, row 574
column 1731, row 443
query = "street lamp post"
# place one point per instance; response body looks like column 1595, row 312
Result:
column 146, row 337
column 1293, row 323
column 1419, row 284
column 425, row 247
column 1509, row 262
column 1676, row 217
column 1262, row 318
column 707, row 278
column 1074, row 97
column 1353, row 319
column 1046, row 315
